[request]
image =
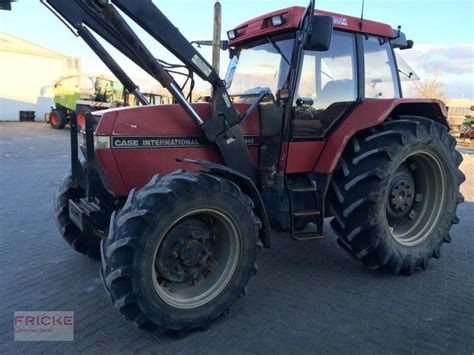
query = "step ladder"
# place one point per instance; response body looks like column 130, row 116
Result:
column 313, row 213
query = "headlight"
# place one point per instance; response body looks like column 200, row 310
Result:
column 102, row 142
column 232, row 34
column 278, row 20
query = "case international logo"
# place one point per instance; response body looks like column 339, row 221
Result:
column 43, row 326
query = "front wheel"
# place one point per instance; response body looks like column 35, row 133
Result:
column 395, row 193
column 85, row 242
column 180, row 251
column 58, row 119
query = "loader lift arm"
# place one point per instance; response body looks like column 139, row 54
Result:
column 103, row 18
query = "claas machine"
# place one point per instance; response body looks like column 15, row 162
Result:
column 81, row 94
column 309, row 123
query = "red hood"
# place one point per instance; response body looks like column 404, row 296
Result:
column 127, row 167
column 164, row 120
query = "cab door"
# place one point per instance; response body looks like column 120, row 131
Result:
column 326, row 90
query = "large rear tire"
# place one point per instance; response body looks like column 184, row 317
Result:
column 88, row 242
column 395, row 193
column 180, row 251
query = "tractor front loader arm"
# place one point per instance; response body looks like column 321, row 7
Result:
column 103, row 18
column 222, row 128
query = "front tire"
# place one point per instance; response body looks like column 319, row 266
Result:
column 58, row 119
column 181, row 251
column 395, row 194
column 87, row 242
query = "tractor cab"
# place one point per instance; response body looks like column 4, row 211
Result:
column 321, row 84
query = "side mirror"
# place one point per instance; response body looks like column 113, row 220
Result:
column 401, row 40
column 321, row 34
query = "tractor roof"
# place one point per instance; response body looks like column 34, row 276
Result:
column 292, row 16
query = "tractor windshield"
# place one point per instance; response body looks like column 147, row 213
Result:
column 261, row 65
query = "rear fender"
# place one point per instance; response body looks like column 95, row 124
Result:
column 248, row 187
column 371, row 113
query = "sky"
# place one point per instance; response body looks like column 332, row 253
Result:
column 443, row 31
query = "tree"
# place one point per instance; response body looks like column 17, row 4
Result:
column 430, row 86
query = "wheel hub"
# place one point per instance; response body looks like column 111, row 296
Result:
column 415, row 198
column 402, row 193
column 191, row 253
column 186, row 252
column 196, row 258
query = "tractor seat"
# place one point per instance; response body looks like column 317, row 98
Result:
column 307, row 121
column 335, row 91
column 313, row 121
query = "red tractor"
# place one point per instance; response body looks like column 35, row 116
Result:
column 308, row 124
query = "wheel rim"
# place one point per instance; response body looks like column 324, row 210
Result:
column 415, row 198
column 54, row 119
column 196, row 258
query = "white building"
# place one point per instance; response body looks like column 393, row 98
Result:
column 26, row 69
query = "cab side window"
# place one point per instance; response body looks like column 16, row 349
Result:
column 380, row 73
column 327, row 78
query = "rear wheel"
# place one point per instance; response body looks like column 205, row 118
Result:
column 395, row 193
column 87, row 242
column 57, row 119
column 181, row 251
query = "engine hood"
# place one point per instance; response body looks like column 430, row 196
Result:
column 149, row 140
column 162, row 120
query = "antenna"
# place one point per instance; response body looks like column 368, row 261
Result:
column 310, row 12
column 362, row 15
column 306, row 23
